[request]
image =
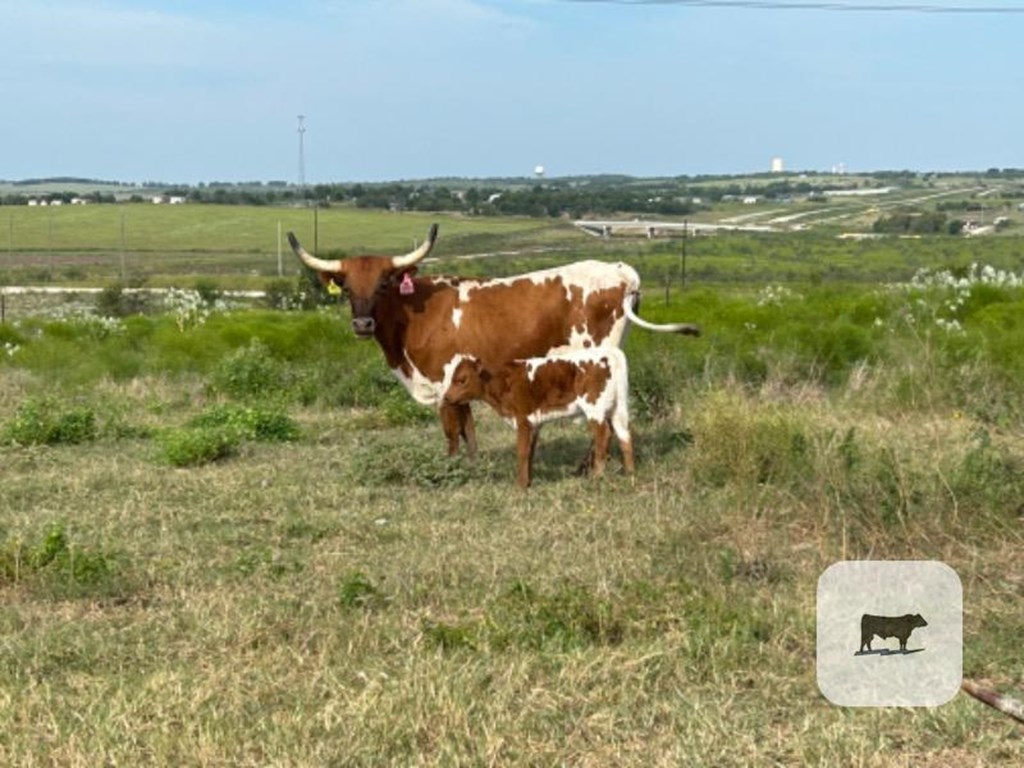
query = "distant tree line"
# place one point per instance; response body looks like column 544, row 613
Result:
column 558, row 198
column 574, row 197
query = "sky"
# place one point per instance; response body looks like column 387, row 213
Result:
column 197, row 91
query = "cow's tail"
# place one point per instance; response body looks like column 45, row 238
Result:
column 686, row 329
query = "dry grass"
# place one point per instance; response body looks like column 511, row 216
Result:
column 300, row 605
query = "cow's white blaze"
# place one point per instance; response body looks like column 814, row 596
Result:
column 419, row 386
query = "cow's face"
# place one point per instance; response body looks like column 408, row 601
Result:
column 365, row 278
column 467, row 382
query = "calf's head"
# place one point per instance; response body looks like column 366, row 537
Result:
column 365, row 278
column 466, row 381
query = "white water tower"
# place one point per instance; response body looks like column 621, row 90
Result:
column 538, row 171
column 777, row 166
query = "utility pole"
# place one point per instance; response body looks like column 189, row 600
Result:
column 302, row 155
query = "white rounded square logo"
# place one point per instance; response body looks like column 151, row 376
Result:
column 890, row 633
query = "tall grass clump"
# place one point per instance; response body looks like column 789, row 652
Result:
column 57, row 567
column 739, row 443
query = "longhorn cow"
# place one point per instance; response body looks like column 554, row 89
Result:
column 422, row 323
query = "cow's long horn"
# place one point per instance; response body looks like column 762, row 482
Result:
column 321, row 265
column 399, row 262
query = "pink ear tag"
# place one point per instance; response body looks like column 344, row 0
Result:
column 406, row 288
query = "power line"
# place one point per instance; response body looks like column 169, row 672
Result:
column 796, row 5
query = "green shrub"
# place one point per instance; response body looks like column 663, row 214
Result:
column 192, row 447
column 385, row 462
column 46, row 422
column 115, row 301
column 397, row 409
column 249, row 371
column 263, row 424
column 9, row 335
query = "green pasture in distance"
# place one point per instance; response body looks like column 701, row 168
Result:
column 236, row 247
column 238, row 229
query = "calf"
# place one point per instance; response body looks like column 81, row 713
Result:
column 899, row 627
column 529, row 392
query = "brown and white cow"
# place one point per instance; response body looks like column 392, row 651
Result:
column 593, row 383
column 422, row 323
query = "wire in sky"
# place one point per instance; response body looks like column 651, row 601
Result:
column 813, row 5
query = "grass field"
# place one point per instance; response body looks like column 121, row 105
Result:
column 231, row 539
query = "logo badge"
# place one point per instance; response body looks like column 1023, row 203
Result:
column 890, row 633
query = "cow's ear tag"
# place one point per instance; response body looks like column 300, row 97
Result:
column 333, row 288
column 406, row 287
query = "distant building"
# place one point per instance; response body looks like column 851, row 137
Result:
column 777, row 166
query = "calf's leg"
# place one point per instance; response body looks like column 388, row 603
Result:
column 525, row 446
column 602, row 434
column 620, row 425
column 457, row 422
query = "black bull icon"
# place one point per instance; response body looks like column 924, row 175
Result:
column 899, row 627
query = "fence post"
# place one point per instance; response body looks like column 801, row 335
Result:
column 682, row 257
